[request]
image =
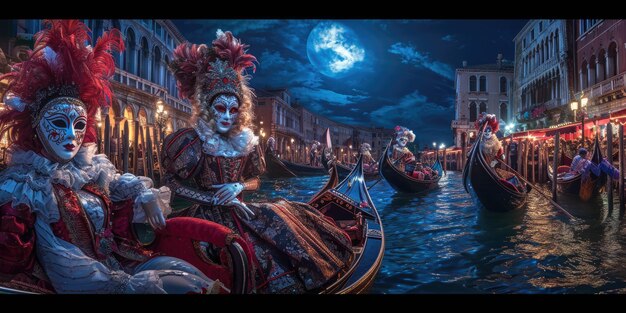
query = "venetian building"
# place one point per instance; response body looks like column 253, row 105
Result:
column 295, row 128
column 481, row 88
column 543, row 74
column 601, row 65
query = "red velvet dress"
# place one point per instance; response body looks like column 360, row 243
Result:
column 296, row 248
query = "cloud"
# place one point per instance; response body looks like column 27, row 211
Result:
column 277, row 71
column 410, row 55
column 204, row 30
column 448, row 38
column 415, row 111
column 319, row 95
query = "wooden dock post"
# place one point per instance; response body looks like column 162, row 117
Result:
column 107, row 137
column 532, row 158
column 143, row 147
column 125, row 145
column 555, row 164
column 621, row 168
column 525, row 163
column 609, row 153
column 463, row 150
column 135, row 145
column 540, row 161
column 148, row 154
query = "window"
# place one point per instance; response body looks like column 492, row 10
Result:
column 503, row 85
column 540, row 26
column 532, row 35
column 472, row 82
column 503, row 112
column 483, row 83
column 483, row 107
column 472, row 111
column 524, row 43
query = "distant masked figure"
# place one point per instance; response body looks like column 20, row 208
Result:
column 369, row 164
column 401, row 157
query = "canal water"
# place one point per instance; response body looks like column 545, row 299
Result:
column 441, row 242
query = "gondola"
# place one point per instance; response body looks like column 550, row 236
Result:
column 401, row 181
column 350, row 206
column 275, row 168
column 572, row 183
column 305, row 170
column 488, row 187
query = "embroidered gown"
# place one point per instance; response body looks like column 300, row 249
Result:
column 81, row 213
column 296, row 248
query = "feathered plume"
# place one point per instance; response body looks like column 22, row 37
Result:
column 61, row 57
column 189, row 60
column 231, row 49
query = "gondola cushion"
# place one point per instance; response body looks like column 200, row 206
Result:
column 562, row 169
column 508, row 185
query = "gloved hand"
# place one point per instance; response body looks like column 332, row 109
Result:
column 242, row 209
column 154, row 215
column 226, row 192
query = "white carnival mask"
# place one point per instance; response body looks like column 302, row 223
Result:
column 402, row 141
column 61, row 130
column 488, row 132
column 225, row 110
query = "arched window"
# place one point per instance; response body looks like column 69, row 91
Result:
column 601, row 66
column 156, row 66
column 556, row 43
column 583, row 75
column 472, row 83
column 611, row 60
column 483, row 83
column 129, row 52
column 503, row 85
column 472, row 111
column 592, row 71
column 503, row 113
column 144, row 55
column 483, row 107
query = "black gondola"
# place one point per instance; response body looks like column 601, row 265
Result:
column 275, row 168
column 305, row 170
column 572, row 183
column 487, row 186
column 350, row 206
column 401, row 181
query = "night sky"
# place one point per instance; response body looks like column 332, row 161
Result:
column 368, row 72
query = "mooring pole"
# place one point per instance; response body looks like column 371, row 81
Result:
column 555, row 162
column 609, row 152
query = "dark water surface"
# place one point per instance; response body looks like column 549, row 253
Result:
column 441, row 242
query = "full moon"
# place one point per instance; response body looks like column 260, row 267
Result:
column 334, row 49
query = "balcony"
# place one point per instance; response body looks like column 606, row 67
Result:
column 605, row 87
column 462, row 123
column 149, row 87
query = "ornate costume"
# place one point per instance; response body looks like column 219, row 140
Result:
column 369, row 164
column 296, row 249
column 491, row 146
column 400, row 154
column 66, row 214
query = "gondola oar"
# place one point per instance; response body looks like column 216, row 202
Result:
column 374, row 184
column 472, row 155
column 540, row 193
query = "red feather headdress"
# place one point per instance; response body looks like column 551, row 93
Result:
column 60, row 65
column 206, row 72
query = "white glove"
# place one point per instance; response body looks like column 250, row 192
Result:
column 154, row 215
column 242, row 209
column 226, row 193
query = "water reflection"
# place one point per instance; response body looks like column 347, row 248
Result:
column 439, row 242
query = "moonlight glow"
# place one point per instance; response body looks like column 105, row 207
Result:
column 334, row 49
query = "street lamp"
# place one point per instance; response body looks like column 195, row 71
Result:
column 583, row 110
column 161, row 118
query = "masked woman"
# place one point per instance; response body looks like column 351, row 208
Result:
column 65, row 212
column 296, row 248
column 400, row 155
